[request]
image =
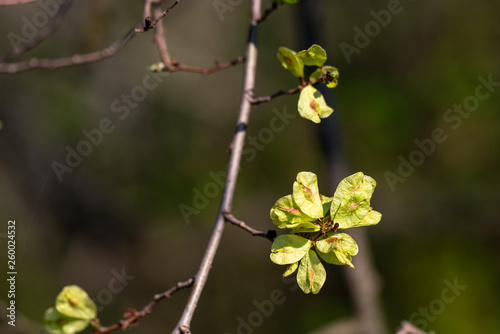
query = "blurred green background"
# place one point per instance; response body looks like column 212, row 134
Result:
column 119, row 208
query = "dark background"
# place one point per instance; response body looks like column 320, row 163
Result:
column 119, row 208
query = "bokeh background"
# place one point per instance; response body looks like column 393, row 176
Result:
column 118, row 210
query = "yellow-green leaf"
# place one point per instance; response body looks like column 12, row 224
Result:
column 314, row 56
column 74, row 302
column 289, row 248
column 311, row 275
column 290, row 61
column 312, row 105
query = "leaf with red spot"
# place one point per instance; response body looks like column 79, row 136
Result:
column 337, row 248
column 74, row 302
column 311, row 274
column 306, row 194
column 289, row 248
column 306, row 228
column 314, row 56
column 312, row 105
column 290, row 61
column 351, row 202
column 72, row 312
column 286, row 213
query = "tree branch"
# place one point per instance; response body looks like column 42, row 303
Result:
column 42, row 35
column 234, row 165
column 165, row 12
column 160, row 40
column 267, row 12
column 15, row 2
column 83, row 58
column 268, row 98
column 71, row 60
column 132, row 316
column 177, row 67
column 270, row 235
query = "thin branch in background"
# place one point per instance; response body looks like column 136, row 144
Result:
column 68, row 61
column 268, row 98
column 165, row 12
column 270, row 235
column 147, row 9
column 132, row 316
column 178, row 67
column 267, row 12
column 15, row 2
column 82, row 58
column 41, row 36
column 237, row 144
column 409, row 328
column 161, row 40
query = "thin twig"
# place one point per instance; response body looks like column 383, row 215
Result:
column 161, row 40
column 291, row 91
column 270, row 235
column 267, row 12
column 132, row 316
column 41, row 36
column 177, row 67
column 82, row 58
column 68, row 61
column 165, row 12
column 15, row 2
column 268, row 98
column 232, row 175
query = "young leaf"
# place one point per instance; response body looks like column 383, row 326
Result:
column 306, row 194
column 306, row 227
column 57, row 323
column 314, row 56
column 312, row 105
column 286, row 213
column 351, row 202
column 289, row 248
column 74, row 302
column 372, row 218
column 311, row 275
column 337, row 248
column 290, row 61
column 290, row 269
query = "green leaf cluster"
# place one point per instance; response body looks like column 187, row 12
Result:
column 311, row 103
column 314, row 221
column 72, row 313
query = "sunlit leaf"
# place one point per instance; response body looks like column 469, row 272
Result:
column 286, row 213
column 290, row 61
column 314, row 56
column 311, row 274
column 351, row 202
column 289, row 248
column 74, row 302
column 306, row 194
column 57, row 323
column 337, row 248
column 312, row 105
column 306, row 227
column 290, row 269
